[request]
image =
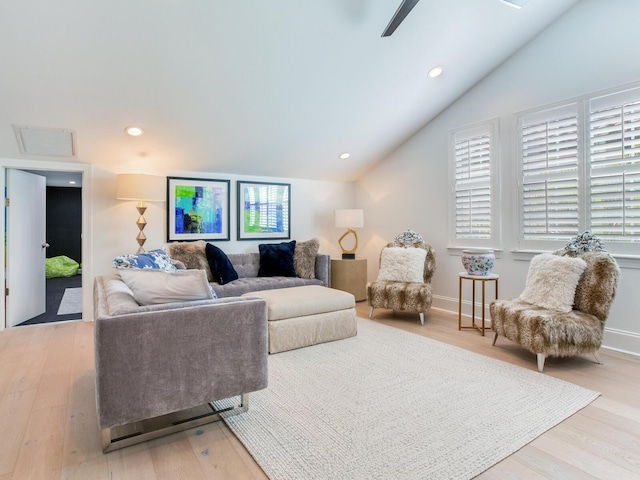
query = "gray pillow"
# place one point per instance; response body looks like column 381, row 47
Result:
column 152, row 287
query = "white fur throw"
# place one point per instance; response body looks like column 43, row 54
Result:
column 552, row 281
column 399, row 264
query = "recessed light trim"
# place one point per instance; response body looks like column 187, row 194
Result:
column 134, row 131
column 344, row 155
column 435, row 71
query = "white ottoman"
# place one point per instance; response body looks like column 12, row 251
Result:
column 303, row 316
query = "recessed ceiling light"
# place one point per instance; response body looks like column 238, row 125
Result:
column 345, row 155
column 435, row 71
column 134, row 131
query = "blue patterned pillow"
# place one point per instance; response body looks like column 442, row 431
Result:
column 157, row 259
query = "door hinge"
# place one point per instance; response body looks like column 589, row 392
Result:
column 6, row 292
column 7, row 202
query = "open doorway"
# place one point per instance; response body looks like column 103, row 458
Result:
column 13, row 266
column 63, row 270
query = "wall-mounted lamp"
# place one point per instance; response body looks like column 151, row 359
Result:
column 142, row 188
column 349, row 219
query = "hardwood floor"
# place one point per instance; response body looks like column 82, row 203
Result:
column 49, row 429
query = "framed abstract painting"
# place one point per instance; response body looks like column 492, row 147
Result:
column 264, row 210
column 198, row 209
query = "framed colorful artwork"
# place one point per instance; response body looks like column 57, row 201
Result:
column 198, row 209
column 264, row 210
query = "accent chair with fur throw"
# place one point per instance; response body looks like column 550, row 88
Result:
column 564, row 306
column 404, row 279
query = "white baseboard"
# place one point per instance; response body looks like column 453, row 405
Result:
column 614, row 339
column 621, row 341
column 450, row 305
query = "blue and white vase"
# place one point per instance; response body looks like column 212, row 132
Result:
column 478, row 261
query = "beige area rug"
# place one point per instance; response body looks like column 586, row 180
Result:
column 388, row 404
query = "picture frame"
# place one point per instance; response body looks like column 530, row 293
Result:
column 264, row 210
column 197, row 209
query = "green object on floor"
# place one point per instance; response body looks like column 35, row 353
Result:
column 61, row 266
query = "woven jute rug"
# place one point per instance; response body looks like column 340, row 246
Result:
column 388, row 404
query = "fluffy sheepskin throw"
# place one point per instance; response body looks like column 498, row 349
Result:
column 552, row 281
column 399, row 264
column 192, row 254
column 304, row 258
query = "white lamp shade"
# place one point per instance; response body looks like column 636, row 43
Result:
column 137, row 186
column 353, row 218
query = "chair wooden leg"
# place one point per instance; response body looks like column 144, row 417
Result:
column 494, row 339
column 370, row 312
column 597, row 357
column 541, row 358
column 422, row 319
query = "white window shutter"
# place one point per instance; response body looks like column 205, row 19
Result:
column 614, row 130
column 472, row 158
column 549, row 152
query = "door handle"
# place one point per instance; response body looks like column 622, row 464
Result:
column 45, row 245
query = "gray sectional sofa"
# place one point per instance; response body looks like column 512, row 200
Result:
column 247, row 265
column 155, row 360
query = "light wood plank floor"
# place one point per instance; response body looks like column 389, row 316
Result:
column 48, row 426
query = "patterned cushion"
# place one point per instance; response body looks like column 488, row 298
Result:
column 155, row 259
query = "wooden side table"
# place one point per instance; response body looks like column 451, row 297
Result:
column 350, row 276
column 492, row 277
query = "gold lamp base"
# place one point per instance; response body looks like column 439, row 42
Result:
column 141, row 223
column 349, row 254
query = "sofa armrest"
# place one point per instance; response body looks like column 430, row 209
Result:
column 156, row 362
column 323, row 269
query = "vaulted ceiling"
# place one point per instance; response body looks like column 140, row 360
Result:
column 253, row 87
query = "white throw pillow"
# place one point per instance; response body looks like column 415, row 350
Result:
column 399, row 264
column 552, row 281
column 151, row 287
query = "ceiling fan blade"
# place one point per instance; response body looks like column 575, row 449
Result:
column 403, row 10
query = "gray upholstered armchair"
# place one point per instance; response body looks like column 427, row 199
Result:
column 548, row 330
column 404, row 281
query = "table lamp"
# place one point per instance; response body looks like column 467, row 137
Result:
column 142, row 188
column 349, row 219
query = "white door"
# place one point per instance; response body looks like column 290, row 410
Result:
column 26, row 246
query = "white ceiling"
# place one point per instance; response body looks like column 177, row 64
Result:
column 254, row 87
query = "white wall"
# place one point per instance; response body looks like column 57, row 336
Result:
column 589, row 49
column 312, row 205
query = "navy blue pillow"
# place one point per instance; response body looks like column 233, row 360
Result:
column 276, row 259
column 222, row 270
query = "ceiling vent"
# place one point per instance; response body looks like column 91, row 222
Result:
column 55, row 142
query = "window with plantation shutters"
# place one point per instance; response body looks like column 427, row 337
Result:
column 472, row 173
column 549, row 183
column 614, row 166
column 580, row 170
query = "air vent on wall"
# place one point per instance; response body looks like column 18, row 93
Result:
column 55, row 142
